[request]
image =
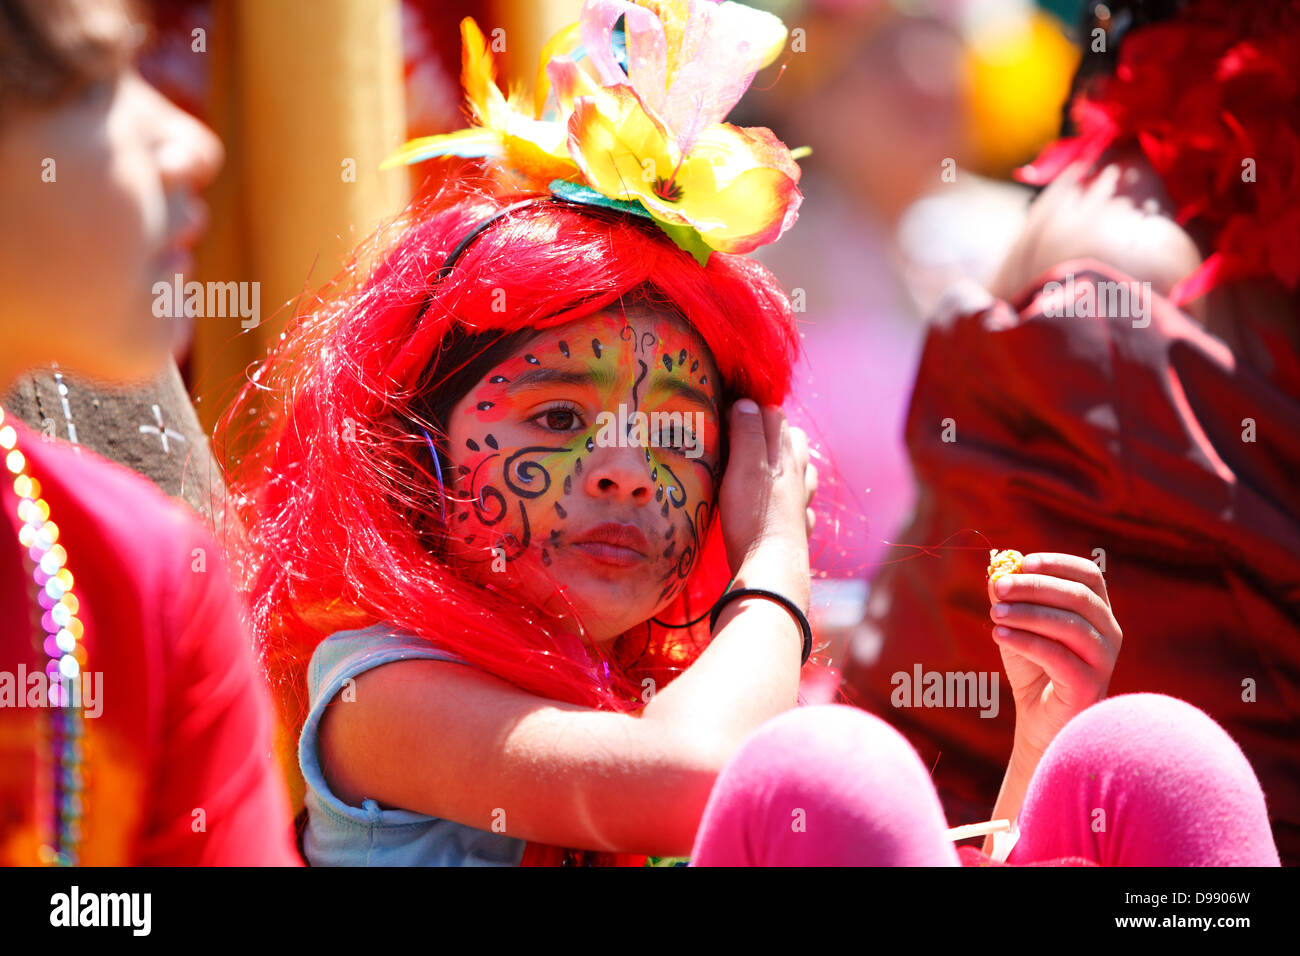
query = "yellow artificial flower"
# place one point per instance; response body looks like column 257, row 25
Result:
column 628, row 106
column 737, row 188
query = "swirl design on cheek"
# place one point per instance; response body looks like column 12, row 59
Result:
column 525, row 480
column 478, row 499
column 520, row 475
column 490, row 518
column 481, row 511
column 676, row 493
column 489, row 504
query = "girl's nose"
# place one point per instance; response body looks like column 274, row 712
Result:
column 619, row 474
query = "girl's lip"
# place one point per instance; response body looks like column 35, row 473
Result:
column 612, row 554
column 624, row 536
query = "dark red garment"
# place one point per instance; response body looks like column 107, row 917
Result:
column 178, row 765
column 1074, row 434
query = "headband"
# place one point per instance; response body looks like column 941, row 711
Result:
column 561, row 192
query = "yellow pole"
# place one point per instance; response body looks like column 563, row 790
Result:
column 308, row 97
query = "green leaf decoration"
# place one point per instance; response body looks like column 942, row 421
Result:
column 686, row 237
column 576, row 192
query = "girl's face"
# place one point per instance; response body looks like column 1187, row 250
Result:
column 98, row 200
column 586, row 465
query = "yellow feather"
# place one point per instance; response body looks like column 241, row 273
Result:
column 465, row 142
column 478, row 75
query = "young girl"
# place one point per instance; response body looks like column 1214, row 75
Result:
column 508, row 479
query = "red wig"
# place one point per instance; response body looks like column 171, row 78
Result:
column 336, row 490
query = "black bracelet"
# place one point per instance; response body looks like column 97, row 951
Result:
column 785, row 602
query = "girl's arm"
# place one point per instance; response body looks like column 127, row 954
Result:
column 1015, row 783
column 452, row 742
column 1059, row 640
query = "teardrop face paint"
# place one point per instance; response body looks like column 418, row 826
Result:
column 586, row 467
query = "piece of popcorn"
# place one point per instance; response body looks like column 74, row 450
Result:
column 1003, row 563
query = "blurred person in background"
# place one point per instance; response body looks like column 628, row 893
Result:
column 915, row 114
column 133, row 726
column 1129, row 391
column 151, row 427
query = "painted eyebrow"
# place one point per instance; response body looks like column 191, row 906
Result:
column 686, row 390
column 542, row 377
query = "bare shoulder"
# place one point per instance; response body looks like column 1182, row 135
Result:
column 1117, row 213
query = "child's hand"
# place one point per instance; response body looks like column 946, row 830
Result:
column 1058, row 639
column 764, row 502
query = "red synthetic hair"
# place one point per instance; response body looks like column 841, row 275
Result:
column 334, row 488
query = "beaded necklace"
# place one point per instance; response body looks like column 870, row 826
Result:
column 61, row 633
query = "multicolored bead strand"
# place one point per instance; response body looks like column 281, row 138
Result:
column 61, row 636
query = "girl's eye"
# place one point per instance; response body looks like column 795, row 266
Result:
column 673, row 436
column 682, row 432
column 558, row 419
column 561, row 419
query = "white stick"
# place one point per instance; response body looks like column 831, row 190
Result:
column 978, row 829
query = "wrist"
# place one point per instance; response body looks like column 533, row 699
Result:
column 736, row 596
column 1024, row 756
column 782, row 569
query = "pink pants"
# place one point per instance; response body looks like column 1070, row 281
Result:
column 1135, row 780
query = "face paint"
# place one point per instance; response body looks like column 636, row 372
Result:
column 587, row 461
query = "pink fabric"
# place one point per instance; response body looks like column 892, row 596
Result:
column 1136, row 780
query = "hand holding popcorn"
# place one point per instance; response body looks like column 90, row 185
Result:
column 1058, row 638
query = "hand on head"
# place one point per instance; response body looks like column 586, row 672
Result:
column 765, row 496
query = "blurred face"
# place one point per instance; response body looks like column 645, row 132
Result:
column 586, row 467
column 98, row 200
